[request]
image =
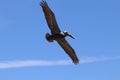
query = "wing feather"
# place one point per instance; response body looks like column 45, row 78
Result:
column 50, row 18
column 69, row 50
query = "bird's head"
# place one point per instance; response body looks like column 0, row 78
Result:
column 66, row 33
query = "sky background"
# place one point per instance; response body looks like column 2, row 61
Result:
column 25, row 54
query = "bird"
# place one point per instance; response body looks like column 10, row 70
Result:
column 56, row 34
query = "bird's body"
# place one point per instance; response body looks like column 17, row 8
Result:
column 57, row 36
column 53, row 37
column 56, row 33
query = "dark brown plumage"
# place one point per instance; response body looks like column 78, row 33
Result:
column 56, row 32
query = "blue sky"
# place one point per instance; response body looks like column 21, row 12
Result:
column 25, row 54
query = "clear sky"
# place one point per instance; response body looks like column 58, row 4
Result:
column 25, row 54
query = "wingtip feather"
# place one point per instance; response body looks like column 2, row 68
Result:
column 76, row 61
column 43, row 2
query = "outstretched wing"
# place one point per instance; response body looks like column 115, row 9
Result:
column 50, row 18
column 69, row 50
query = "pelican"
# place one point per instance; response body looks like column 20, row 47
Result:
column 56, row 33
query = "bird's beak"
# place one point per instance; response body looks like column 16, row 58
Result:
column 71, row 36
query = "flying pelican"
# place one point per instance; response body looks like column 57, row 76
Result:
column 56, row 33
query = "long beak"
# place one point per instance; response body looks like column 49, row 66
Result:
column 71, row 36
